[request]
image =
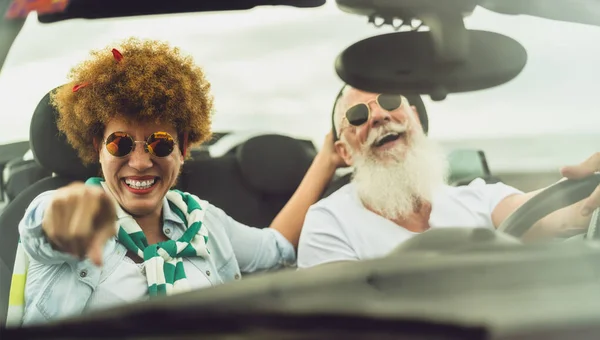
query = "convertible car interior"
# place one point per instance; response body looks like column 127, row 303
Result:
column 252, row 181
column 451, row 283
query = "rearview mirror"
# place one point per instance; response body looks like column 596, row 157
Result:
column 446, row 58
column 406, row 62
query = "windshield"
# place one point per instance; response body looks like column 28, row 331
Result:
column 263, row 80
column 272, row 74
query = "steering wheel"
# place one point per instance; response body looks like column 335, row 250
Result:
column 557, row 196
column 553, row 198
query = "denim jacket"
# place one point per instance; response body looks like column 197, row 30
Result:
column 59, row 285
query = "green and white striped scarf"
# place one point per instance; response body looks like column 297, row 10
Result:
column 163, row 261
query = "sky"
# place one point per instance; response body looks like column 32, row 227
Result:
column 271, row 69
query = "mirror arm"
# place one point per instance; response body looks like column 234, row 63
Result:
column 449, row 37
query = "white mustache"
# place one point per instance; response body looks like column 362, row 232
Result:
column 382, row 130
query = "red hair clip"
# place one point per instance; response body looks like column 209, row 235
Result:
column 80, row 86
column 118, row 56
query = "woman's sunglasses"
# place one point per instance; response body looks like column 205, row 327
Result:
column 359, row 114
column 121, row 144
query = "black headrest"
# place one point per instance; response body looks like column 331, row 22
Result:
column 417, row 101
column 413, row 99
column 50, row 148
column 274, row 164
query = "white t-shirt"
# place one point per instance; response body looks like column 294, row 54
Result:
column 340, row 228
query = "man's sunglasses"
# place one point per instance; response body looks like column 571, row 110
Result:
column 121, row 144
column 359, row 114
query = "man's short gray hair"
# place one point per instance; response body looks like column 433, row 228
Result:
column 338, row 113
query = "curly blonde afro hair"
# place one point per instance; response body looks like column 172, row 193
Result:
column 153, row 82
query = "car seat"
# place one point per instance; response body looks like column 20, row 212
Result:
column 8, row 153
column 21, row 173
column 51, row 150
column 255, row 180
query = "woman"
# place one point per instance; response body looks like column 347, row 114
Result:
column 136, row 110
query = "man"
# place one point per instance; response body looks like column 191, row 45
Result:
column 398, row 188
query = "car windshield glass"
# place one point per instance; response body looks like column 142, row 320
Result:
column 272, row 69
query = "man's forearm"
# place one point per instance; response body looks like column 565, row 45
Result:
column 565, row 221
column 290, row 219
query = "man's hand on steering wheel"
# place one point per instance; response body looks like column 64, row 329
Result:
column 587, row 168
column 561, row 209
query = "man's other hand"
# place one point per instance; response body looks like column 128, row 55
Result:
column 587, row 168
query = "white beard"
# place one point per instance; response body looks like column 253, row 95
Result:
column 393, row 187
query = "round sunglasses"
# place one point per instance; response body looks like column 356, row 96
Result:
column 121, row 144
column 359, row 114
